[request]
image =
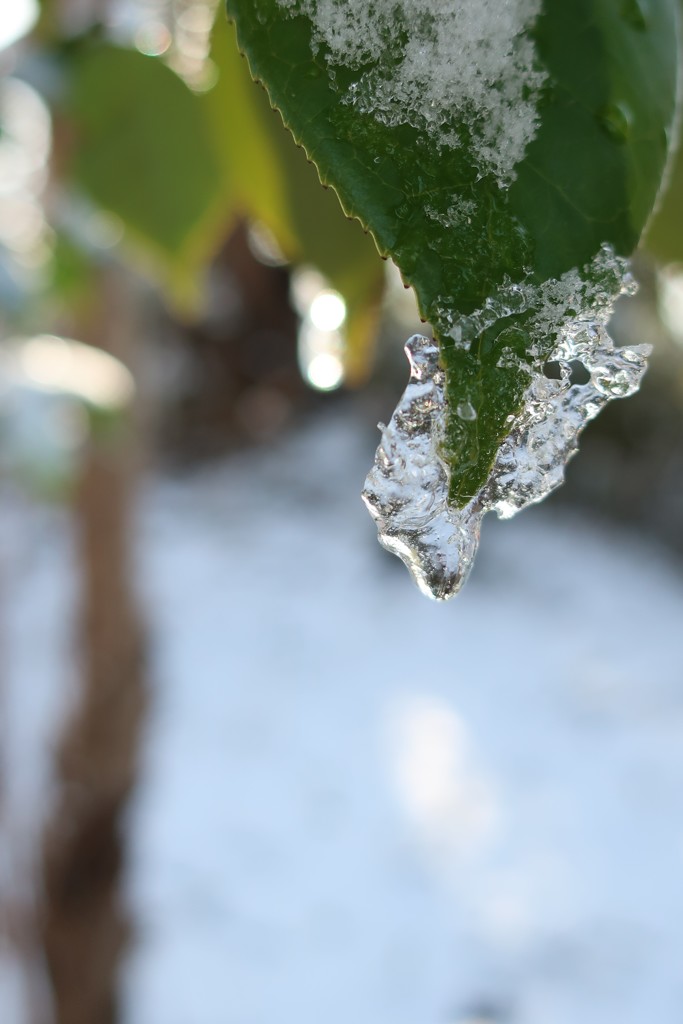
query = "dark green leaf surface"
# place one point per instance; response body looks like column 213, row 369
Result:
column 589, row 177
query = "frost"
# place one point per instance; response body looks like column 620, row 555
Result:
column 460, row 211
column 406, row 490
column 432, row 60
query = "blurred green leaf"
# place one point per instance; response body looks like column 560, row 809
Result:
column 143, row 151
column 664, row 235
column 244, row 140
column 273, row 183
column 70, row 271
column 589, row 177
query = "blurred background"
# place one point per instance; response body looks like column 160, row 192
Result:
column 247, row 773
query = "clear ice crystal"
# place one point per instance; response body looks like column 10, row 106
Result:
column 406, row 490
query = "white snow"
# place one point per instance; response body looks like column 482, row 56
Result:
column 359, row 806
column 436, row 58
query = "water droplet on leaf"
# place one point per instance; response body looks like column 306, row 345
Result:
column 616, row 119
column 466, row 411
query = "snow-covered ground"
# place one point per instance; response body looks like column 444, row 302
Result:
column 359, row 807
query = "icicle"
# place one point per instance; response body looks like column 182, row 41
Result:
column 406, row 490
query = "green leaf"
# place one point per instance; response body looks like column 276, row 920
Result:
column 460, row 230
column 272, row 182
column 71, row 274
column 663, row 238
column 240, row 123
column 664, row 234
column 142, row 150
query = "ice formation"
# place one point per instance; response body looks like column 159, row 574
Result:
column 467, row 73
column 474, row 59
column 406, row 490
